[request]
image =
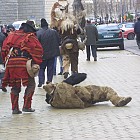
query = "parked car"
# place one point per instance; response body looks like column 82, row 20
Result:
column 126, row 26
column 110, row 35
column 129, row 34
column 128, row 30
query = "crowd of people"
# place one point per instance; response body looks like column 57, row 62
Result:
column 44, row 47
column 27, row 52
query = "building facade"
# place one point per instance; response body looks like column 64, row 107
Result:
column 16, row 10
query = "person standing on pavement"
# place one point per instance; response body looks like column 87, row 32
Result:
column 50, row 42
column 137, row 31
column 69, row 47
column 10, row 28
column 18, row 47
column 2, row 69
column 92, row 37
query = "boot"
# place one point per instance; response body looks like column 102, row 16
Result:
column 14, row 101
column 123, row 101
column 27, row 103
column 115, row 98
column 16, row 111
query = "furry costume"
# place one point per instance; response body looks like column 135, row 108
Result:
column 58, row 13
column 69, row 25
column 64, row 95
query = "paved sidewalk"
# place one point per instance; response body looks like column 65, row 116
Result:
column 117, row 69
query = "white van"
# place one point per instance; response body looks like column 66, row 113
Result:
column 17, row 24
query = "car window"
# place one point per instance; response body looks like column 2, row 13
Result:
column 129, row 26
column 17, row 26
column 107, row 28
column 120, row 25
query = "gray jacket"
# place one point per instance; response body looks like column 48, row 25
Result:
column 92, row 34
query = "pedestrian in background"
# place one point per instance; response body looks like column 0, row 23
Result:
column 2, row 68
column 69, row 47
column 17, row 49
column 10, row 29
column 92, row 38
column 50, row 41
column 137, row 31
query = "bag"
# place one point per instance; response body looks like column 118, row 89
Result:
column 32, row 69
column 81, row 45
column 69, row 46
column 68, row 43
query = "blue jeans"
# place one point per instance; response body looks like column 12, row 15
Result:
column 55, row 64
column 49, row 63
column 1, row 76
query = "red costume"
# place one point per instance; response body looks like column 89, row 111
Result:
column 24, row 46
column 16, row 66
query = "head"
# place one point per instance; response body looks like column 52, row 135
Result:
column 10, row 28
column 49, row 87
column 63, row 3
column 44, row 23
column 88, row 21
column 29, row 26
column 138, row 18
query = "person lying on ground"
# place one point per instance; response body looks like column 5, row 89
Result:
column 67, row 95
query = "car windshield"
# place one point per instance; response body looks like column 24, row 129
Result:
column 107, row 28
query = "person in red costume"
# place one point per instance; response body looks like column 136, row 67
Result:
column 18, row 47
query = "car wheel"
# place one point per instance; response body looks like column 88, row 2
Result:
column 121, row 46
column 130, row 36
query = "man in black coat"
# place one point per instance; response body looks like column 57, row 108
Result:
column 2, row 38
column 50, row 42
column 92, row 38
column 137, row 31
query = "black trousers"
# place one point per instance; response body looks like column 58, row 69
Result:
column 91, row 49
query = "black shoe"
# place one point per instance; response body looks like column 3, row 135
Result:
column 4, row 89
column 48, row 82
column 16, row 111
column 28, row 110
column 95, row 59
column 61, row 73
column 66, row 75
column 88, row 59
column 39, row 85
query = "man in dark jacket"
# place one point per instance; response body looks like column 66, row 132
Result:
column 92, row 37
column 50, row 41
column 137, row 31
column 2, row 38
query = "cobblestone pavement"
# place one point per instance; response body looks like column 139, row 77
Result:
column 117, row 69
